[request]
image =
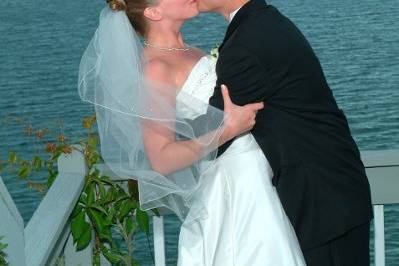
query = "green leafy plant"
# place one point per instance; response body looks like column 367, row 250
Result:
column 3, row 255
column 44, row 158
column 105, row 211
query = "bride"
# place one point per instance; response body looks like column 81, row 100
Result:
column 230, row 211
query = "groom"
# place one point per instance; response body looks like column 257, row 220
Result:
column 305, row 137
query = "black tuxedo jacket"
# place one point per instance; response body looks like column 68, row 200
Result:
column 318, row 172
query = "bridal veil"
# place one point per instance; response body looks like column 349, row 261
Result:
column 111, row 77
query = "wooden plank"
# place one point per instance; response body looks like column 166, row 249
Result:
column 379, row 235
column 382, row 168
column 59, row 246
column 159, row 241
column 51, row 217
column 11, row 227
column 384, row 183
column 380, row 158
column 9, row 202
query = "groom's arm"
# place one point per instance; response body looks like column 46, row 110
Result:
column 246, row 80
column 245, row 77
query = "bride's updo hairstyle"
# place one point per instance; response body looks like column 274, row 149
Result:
column 135, row 12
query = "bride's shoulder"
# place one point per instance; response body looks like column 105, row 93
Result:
column 199, row 52
column 158, row 70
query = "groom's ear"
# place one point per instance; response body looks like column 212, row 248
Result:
column 152, row 13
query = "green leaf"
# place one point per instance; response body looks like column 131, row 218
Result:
column 90, row 190
column 24, row 171
column 93, row 141
column 111, row 256
column 49, row 165
column 110, row 194
column 102, row 190
column 77, row 225
column 78, row 209
column 3, row 255
column 37, row 163
column 156, row 212
column 51, row 178
column 2, row 245
column 84, row 239
column 126, row 207
column 107, row 180
column 88, row 122
column 111, row 215
column 120, row 192
column 129, row 225
column 143, row 220
column 57, row 153
column 101, row 225
column 94, row 173
column 83, row 198
column 98, row 208
column 119, row 200
column 92, row 157
column 13, row 157
column 97, row 219
column 81, row 231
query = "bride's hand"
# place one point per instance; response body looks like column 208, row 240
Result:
column 239, row 119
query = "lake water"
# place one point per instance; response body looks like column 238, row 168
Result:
column 41, row 43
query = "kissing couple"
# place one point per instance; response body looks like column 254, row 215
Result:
column 250, row 151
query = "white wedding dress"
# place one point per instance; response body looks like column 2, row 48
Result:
column 246, row 224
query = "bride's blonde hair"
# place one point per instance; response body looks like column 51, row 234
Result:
column 135, row 12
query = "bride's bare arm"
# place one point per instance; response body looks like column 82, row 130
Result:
column 164, row 152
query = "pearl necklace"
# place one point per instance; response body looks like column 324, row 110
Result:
column 167, row 48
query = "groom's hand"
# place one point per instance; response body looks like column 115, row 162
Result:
column 238, row 119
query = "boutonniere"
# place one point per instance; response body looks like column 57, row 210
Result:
column 215, row 52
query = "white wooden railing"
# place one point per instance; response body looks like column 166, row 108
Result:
column 382, row 168
column 47, row 235
column 43, row 238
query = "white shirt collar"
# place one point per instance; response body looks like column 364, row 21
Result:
column 234, row 13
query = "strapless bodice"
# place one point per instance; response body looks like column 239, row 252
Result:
column 192, row 101
column 198, row 86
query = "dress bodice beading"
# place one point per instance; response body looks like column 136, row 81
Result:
column 199, row 85
column 192, row 101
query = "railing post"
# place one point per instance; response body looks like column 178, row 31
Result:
column 379, row 235
column 45, row 229
column 11, row 228
column 159, row 241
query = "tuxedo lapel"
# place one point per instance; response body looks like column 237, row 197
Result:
column 244, row 11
